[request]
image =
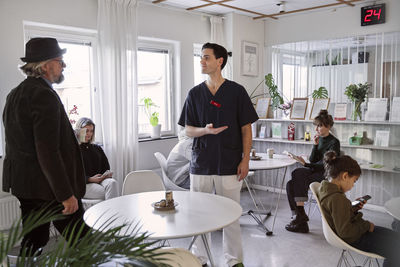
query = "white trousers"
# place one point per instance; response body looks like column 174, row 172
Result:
column 107, row 189
column 227, row 186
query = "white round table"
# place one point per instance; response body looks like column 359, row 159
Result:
column 265, row 163
column 393, row 207
column 196, row 214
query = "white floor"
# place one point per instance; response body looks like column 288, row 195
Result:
column 283, row 248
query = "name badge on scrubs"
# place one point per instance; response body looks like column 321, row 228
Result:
column 218, row 105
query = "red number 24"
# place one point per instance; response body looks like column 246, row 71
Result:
column 371, row 12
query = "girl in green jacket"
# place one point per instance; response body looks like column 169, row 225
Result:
column 347, row 221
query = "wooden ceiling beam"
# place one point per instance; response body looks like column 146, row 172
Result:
column 211, row 3
column 305, row 9
column 240, row 9
column 345, row 2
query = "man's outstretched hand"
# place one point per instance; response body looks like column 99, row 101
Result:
column 209, row 129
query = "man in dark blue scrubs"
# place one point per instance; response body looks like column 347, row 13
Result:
column 218, row 113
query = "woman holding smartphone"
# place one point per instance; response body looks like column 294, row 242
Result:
column 345, row 219
column 297, row 187
column 99, row 181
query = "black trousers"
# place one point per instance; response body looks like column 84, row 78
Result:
column 38, row 237
column 297, row 187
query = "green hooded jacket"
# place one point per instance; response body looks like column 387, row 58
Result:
column 346, row 223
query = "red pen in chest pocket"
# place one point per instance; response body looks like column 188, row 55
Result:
column 212, row 102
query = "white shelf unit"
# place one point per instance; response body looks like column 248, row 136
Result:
column 383, row 183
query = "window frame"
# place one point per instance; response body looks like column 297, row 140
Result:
column 148, row 44
column 73, row 35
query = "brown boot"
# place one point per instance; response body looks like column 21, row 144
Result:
column 298, row 228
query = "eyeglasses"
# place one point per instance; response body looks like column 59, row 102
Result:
column 62, row 63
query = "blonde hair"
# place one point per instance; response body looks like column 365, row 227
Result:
column 80, row 124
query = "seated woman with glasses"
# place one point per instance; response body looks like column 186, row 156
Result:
column 297, row 187
column 99, row 181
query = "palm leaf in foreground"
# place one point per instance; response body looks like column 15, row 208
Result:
column 94, row 248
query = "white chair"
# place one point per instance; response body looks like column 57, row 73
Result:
column 336, row 241
column 179, row 257
column 169, row 185
column 142, row 181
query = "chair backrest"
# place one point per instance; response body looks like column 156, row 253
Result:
column 178, row 257
column 169, row 185
column 142, row 181
column 330, row 235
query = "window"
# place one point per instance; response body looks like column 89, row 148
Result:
column 76, row 91
column 155, row 79
column 198, row 76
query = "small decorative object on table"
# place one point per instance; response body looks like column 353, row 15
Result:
column 270, row 152
column 165, row 204
column 291, row 131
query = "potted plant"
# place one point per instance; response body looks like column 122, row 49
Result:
column 357, row 94
column 276, row 98
column 153, row 117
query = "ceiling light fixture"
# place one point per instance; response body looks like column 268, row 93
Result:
column 281, row 6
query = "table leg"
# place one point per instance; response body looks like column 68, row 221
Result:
column 192, row 242
column 253, row 214
column 279, row 198
column 207, row 247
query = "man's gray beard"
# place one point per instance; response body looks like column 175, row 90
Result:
column 60, row 79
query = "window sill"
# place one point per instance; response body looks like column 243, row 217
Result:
column 148, row 139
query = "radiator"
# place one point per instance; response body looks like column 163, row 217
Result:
column 9, row 212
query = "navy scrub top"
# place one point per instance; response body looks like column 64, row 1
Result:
column 230, row 106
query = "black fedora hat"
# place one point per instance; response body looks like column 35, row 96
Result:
column 41, row 49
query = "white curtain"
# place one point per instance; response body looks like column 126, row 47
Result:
column 117, row 92
column 217, row 36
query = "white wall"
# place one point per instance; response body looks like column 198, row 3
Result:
column 243, row 28
column 328, row 24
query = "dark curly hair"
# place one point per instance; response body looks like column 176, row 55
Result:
column 334, row 165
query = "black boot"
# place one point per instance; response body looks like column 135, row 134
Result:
column 298, row 228
column 299, row 224
column 301, row 216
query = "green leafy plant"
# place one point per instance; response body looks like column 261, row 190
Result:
column 153, row 116
column 320, row 93
column 357, row 93
column 94, row 248
column 276, row 98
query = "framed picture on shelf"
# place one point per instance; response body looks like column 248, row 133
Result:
column 299, row 109
column 317, row 105
column 377, row 109
column 276, row 128
column 249, row 59
column 262, row 107
column 382, row 138
column 395, row 110
column 263, row 131
column 340, row 113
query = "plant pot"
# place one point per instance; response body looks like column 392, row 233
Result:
column 156, row 131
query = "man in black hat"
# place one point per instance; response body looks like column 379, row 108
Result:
column 43, row 165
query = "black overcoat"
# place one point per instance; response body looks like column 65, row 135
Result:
column 43, row 159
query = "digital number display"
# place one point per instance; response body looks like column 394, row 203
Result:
column 371, row 15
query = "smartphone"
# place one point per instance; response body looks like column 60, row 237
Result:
column 362, row 199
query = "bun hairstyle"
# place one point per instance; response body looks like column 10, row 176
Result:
column 334, row 165
column 323, row 118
